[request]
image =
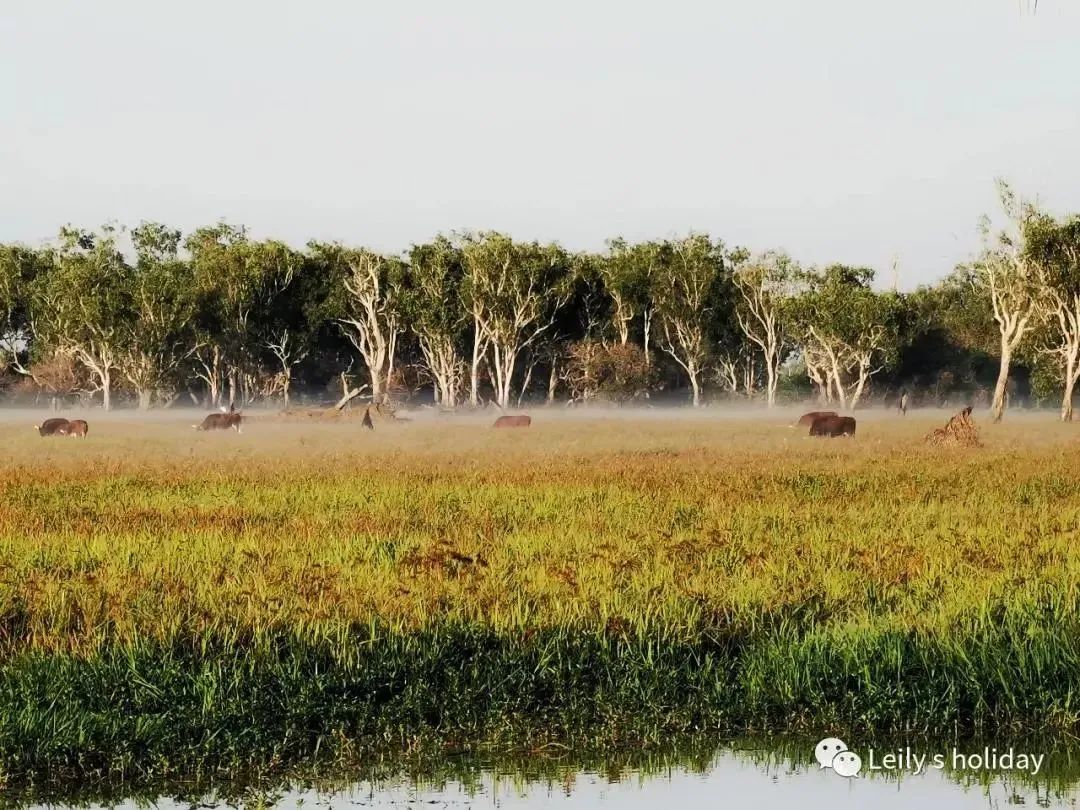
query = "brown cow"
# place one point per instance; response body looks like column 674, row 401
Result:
column 513, row 421
column 77, row 428
column 220, row 421
column 808, row 418
column 53, row 427
column 833, row 426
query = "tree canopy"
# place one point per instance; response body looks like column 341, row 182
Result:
column 150, row 315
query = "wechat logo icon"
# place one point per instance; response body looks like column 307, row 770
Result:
column 834, row 753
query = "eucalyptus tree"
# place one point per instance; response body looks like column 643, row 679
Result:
column 684, row 283
column 627, row 271
column 765, row 284
column 371, row 314
column 237, row 281
column 1055, row 248
column 299, row 324
column 432, row 299
column 1009, row 275
column 83, row 304
column 160, row 332
column 513, row 292
column 847, row 331
column 20, row 269
column 484, row 256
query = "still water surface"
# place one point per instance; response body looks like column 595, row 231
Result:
column 732, row 778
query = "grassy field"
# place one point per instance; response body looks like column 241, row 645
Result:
column 174, row 600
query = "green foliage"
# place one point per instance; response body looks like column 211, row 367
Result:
column 160, row 328
column 1055, row 248
column 236, row 279
column 847, row 330
column 20, row 269
column 839, row 304
column 83, row 305
column 513, row 281
column 1045, row 381
column 217, row 305
column 952, row 338
column 627, row 272
column 431, row 298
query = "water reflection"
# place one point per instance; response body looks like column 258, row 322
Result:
column 773, row 774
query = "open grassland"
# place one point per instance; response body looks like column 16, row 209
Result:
column 173, row 600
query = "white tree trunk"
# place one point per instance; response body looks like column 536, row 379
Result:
column 998, row 404
column 1068, row 349
column 695, row 385
column 505, row 358
column 391, row 350
column 106, row 388
column 838, row 385
column 445, row 367
column 648, row 328
column 819, row 380
column 211, row 375
column 1067, row 396
column 623, row 316
column 100, row 364
column 372, row 326
column 864, row 374
column 528, row 378
column 479, row 346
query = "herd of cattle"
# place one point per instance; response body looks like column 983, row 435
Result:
column 79, row 428
column 821, row 423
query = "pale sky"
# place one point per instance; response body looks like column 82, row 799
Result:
column 840, row 130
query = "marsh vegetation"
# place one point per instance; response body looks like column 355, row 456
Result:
column 174, row 602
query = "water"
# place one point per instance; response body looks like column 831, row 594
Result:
column 735, row 776
column 729, row 784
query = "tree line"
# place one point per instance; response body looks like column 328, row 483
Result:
column 153, row 315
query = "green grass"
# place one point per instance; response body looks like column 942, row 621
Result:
column 178, row 603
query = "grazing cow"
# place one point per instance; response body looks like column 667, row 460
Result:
column 513, row 421
column 833, row 426
column 220, row 421
column 808, row 418
column 53, row 427
column 77, row 428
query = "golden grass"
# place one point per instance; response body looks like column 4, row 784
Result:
column 682, row 524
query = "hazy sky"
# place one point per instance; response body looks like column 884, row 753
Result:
column 840, row 130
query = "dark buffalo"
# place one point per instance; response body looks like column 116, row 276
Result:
column 220, row 421
column 833, row 426
column 513, row 421
column 77, row 428
column 808, row 418
column 53, row 427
